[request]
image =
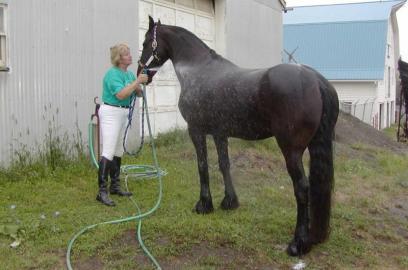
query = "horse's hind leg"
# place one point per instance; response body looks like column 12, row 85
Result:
column 204, row 205
column 230, row 200
column 301, row 243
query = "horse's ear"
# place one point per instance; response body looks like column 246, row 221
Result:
column 159, row 22
column 151, row 23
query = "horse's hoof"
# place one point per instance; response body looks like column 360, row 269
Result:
column 229, row 203
column 298, row 247
column 204, row 207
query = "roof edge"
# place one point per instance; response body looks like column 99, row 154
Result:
column 342, row 4
column 335, row 22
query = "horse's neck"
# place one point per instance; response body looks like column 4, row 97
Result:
column 190, row 56
column 187, row 49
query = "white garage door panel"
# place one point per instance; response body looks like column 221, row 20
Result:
column 180, row 123
column 166, row 73
column 186, row 3
column 144, row 10
column 204, row 28
column 162, row 121
column 141, row 40
column 185, row 20
column 165, row 14
column 150, row 97
column 204, row 5
column 152, row 118
column 166, row 96
column 198, row 17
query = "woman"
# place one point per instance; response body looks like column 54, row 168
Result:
column 118, row 86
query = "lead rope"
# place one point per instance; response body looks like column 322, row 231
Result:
column 131, row 171
column 129, row 124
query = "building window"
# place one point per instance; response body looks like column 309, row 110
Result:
column 388, row 50
column 3, row 37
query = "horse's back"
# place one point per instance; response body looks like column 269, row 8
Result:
column 290, row 96
column 253, row 104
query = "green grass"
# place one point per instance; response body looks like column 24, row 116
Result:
column 392, row 131
column 368, row 229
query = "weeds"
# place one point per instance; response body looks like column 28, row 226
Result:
column 56, row 153
column 172, row 138
column 43, row 202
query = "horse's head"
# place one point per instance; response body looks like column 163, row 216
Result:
column 155, row 52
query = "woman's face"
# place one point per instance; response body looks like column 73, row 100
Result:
column 126, row 58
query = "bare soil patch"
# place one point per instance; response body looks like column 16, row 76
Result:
column 350, row 130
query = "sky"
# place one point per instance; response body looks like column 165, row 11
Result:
column 402, row 17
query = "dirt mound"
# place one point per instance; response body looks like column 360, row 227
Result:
column 351, row 130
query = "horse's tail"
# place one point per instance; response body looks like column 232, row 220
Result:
column 321, row 164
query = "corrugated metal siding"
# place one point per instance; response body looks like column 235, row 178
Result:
column 249, row 21
column 346, row 12
column 343, row 41
column 340, row 51
column 58, row 53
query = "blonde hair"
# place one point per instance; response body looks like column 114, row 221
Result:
column 116, row 51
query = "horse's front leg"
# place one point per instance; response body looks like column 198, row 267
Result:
column 204, row 205
column 230, row 200
column 300, row 243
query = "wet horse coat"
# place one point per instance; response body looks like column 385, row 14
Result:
column 294, row 103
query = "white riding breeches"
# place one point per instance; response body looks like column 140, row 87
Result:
column 113, row 121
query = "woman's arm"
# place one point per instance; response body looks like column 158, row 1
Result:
column 134, row 86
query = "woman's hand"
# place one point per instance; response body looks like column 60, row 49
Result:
column 133, row 87
column 142, row 78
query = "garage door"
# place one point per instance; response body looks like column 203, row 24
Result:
column 194, row 15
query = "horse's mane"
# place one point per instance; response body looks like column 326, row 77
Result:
column 187, row 35
column 183, row 33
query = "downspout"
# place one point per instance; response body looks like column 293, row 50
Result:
column 395, row 29
column 394, row 22
column 283, row 4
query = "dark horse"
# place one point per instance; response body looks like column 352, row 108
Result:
column 294, row 103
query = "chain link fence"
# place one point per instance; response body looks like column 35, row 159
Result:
column 362, row 109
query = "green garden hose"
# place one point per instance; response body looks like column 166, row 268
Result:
column 133, row 171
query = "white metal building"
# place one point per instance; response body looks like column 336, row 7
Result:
column 54, row 53
column 356, row 47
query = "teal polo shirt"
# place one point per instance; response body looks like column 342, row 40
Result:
column 115, row 80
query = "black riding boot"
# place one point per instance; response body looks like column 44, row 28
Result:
column 115, row 181
column 103, row 174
